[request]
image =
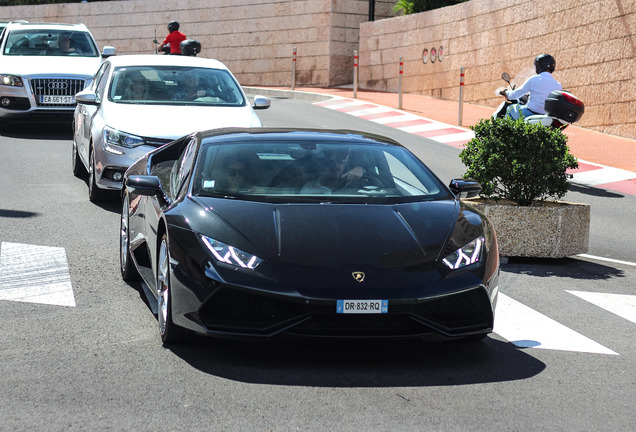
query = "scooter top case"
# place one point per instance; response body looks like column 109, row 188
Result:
column 564, row 106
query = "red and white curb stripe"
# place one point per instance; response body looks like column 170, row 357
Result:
column 588, row 174
column 407, row 122
column 604, row 177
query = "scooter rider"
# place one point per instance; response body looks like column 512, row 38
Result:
column 174, row 38
column 537, row 86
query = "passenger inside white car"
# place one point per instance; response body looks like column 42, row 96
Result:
column 65, row 46
column 49, row 43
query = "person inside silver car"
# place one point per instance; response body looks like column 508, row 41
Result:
column 192, row 88
column 137, row 87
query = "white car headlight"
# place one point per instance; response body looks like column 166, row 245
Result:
column 11, row 80
column 120, row 139
column 230, row 255
column 465, row 256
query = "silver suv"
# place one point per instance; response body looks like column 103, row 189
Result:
column 43, row 66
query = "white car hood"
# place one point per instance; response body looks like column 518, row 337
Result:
column 50, row 66
column 171, row 122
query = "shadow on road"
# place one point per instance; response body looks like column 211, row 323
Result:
column 369, row 363
column 595, row 191
column 49, row 130
column 17, row 214
column 565, row 267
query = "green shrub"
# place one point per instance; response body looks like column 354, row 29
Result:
column 408, row 7
column 518, row 161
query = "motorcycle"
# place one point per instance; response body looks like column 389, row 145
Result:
column 562, row 108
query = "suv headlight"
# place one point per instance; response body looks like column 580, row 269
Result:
column 11, row 80
column 120, row 139
column 465, row 256
column 230, row 255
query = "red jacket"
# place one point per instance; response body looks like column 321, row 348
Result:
column 174, row 39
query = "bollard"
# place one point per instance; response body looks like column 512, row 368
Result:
column 461, row 96
column 293, row 85
column 400, row 83
column 355, row 74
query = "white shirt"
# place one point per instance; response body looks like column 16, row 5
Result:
column 539, row 87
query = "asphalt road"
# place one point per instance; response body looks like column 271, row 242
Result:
column 562, row 356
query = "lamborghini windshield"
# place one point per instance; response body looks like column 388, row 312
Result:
column 310, row 171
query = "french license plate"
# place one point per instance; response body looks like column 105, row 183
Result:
column 48, row 99
column 362, row 306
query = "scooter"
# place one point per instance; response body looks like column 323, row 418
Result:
column 562, row 108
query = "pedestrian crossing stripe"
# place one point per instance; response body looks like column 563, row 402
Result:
column 622, row 305
column 35, row 274
column 526, row 328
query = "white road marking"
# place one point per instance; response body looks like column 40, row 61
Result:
column 622, row 305
column 602, row 176
column 368, row 111
column 526, row 328
column 35, row 274
column 399, row 118
column 615, row 261
column 465, row 136
column 423, row 127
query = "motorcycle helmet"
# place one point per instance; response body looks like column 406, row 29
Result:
column 173, row 26
column 544, row 63
column 190, row 47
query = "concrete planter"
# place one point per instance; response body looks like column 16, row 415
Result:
column 549, row 229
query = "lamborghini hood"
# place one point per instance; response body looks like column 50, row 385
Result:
column 333, row 235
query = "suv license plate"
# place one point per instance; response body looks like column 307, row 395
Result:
column 46, row 99
column 362, row 306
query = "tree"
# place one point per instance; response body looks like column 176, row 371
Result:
column 408, row 7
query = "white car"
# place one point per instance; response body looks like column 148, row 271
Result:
column 137, row 103
column 43, row 66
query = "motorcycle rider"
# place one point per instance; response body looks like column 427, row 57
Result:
column 174, row 38
column 537, row 86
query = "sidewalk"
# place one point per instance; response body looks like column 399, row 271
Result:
column 605, row 161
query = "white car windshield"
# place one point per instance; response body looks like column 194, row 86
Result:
column 50, row 43
column 175, row 85
column 314, row 171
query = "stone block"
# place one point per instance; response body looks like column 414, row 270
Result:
column 549, row 229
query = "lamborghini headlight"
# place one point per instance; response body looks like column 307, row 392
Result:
column 465, row 256
column 120, row 139
column 230, row 255
column 11, row 80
